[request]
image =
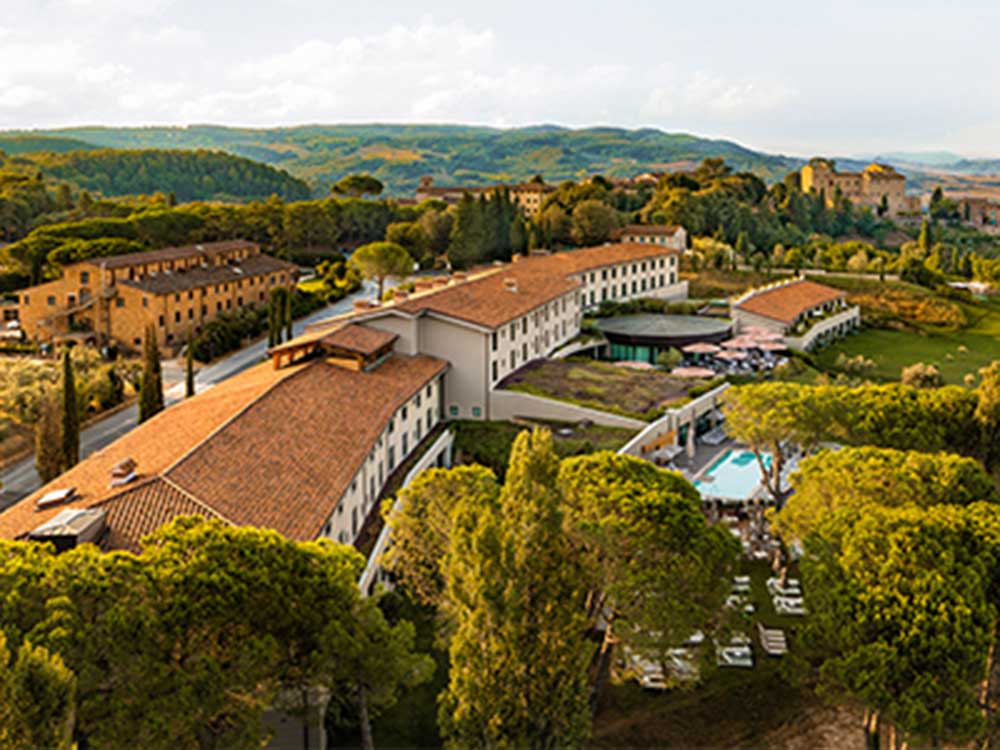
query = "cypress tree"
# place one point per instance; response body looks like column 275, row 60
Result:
column 289, row 330
column 70, row 417
column 274, row 313
column 189, row 369
column 151, row 386
column 926, row 238
column 48, row 440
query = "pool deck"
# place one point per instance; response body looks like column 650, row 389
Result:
column 703, row 457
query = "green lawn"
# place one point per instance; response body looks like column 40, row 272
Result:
column 893, row 350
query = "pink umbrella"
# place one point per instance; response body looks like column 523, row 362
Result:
column 740, row 342
column 772, row 346
column 692, row 372
column 733, row 355
column 700, row 347
column 765, row 335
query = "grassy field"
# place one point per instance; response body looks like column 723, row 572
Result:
column 641, row 394
column 955, row 353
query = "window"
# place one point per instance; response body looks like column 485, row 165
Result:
column 239, row 301
column 190, row 293
column 136, row 341
column 418, row 400
column 429, row 389
column 119, row 302
column 218, row 307
column 161, row 321
column 177, row 316
column 405, row 447
column 24, row 298
column 524, row 353
column 145, row 301
column 392, row 425
column 476, row 411
column 204, row 310
column 513, row 331
column 84, row 277
column 392, row 457
column 496, row 370
column 354, row 521
column 524, row 325
column 513, row 360
column 51, row 300
column 453, row 410
column 493, row 341
column 190, row 313
column 177, row 298
column 429, row 420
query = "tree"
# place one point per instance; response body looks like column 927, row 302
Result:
column 901, row 618
column 287, row 315
column 592, row 222
column 668, row 359
column 69, row 416
column 189, row 368
column 856, row 479
column 381, row 260
column 275, row 315
column 48, row 440
column 555, row 226
column 518, row 676
column 744, row 248
column 36, row 699
column 421, row 525
column 151, row 385
column 656, row 571
column 919, row 375
column 926, row 238
column 357, row 186
column 987, row 414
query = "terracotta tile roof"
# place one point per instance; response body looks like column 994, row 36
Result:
column 786, row 302
column 289, row 457
column 272, row 448
column 154, row 445
column 601, row 256
column 142, row 509
column 208, row 250
column 195, row 278
column 655, row 230
column 359, row 338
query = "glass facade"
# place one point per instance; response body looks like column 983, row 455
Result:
column 636, row 353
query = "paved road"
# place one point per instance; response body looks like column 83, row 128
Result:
column 21, row 479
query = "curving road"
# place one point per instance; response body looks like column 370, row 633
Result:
column 21, row 479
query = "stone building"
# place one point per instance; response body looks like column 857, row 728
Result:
column 175, row 290
column 866, row 188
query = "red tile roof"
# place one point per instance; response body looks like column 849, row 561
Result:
column 268, row 447
column 654, row 230
column 359, row 338
column 208, row 250
column 491, row 300
column 786, row 302
column 285, row 462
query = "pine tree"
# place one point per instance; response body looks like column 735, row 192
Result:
column 519, row 614
column 48, row 440
column 70, row 416
column 151, row 386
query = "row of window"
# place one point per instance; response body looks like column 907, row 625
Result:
column 637, row 288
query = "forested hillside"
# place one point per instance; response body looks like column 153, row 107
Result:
column 399, row 155
column 189, row 175
column 29, row 144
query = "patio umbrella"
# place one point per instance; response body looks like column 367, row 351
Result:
column 701, row 347
column 766, row 335
column 692, row 372
column 732, row 355
column 760, row 333
column 772, row 346
column 740, row 342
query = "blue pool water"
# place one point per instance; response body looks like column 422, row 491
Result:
column 733, row 476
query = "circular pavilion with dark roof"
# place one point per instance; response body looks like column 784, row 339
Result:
column 643, row 338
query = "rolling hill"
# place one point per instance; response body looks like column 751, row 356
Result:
column 399, row 155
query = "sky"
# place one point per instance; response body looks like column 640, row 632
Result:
column 800, row 78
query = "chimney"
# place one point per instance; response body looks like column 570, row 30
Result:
column 72, row 527
column 123, row 472
column 510, row 284
column 360, row 305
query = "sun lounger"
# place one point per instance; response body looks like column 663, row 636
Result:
column 772, row 640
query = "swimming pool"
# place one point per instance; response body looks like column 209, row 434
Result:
column 734, row 476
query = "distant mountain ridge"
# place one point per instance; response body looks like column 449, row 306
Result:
column 399, row 155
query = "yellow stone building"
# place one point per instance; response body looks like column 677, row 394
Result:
column 865, row 188
column 176, row 289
